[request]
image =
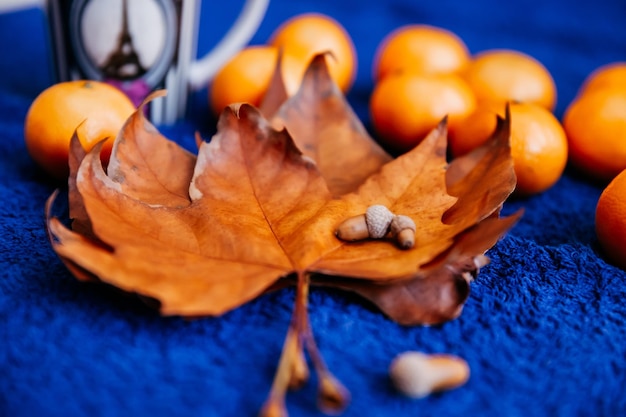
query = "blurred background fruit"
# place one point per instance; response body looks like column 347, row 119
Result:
column 404, row 107
column 303, row 36
column 502, row 75
column 421, row 49
column 595, row 123
column 423, row 73
column 246, row 77
column 611, row 220
column 475, row 129
column 612, row 75
column 538, row 148
column 95, row 110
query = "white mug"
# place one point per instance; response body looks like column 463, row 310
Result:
column 143, row 45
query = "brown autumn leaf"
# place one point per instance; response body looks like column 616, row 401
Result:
column 250, row 184
column 252, row 208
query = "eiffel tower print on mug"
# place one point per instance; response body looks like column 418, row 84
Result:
column 142, row 45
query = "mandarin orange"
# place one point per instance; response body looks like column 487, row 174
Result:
column 538, row 148
column 611, row 220
column 611, row 75
column 595, row 123
column 308, row 34
column 246, row 77
column 404, row 107
column 95, row 110
column 475, row 129
column 502, row 75
column 422, row 49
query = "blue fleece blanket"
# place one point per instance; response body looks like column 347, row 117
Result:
column 543, row 329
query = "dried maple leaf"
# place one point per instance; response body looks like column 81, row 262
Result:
column 204, row 234
column 250, row 184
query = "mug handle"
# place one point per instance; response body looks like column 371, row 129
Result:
column 246, row 25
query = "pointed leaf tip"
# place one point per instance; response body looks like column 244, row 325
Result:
column 327, row 130
column 151, row 97
column 276, row 93
column 483, row 178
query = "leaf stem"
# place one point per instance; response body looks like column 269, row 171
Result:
column 292, row 371
column 333, row 397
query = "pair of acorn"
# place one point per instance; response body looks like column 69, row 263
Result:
column 376, row 223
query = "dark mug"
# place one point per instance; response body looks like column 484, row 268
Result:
column 143, row 45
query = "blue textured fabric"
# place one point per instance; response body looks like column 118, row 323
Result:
column 543, row 329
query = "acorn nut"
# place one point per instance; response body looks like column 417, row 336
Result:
column 417, row 375
column 352, row 229
column 403, row 230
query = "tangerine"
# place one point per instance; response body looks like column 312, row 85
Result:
column 246, row 77
column 612, row 75
column 475, row 129
column 308, row 34
column 503, row 75
column 611, row 220
column 538, row 143
column 95, row 110
column 595, row 124
column 538, row 148
column 420, row 48
column 405, row 107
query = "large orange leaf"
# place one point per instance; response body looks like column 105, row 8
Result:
column 256, row 210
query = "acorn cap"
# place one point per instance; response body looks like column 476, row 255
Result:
column 378, row 219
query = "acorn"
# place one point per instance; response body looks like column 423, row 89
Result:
column 403, row 231
column 417, row 375
column 374, row 224
column 377, row 222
